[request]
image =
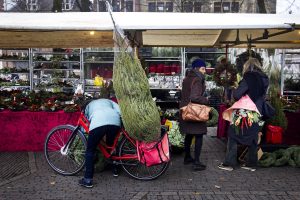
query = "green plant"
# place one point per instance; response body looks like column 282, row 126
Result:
column 175, row 137
column 279, row 118
column 213, row 117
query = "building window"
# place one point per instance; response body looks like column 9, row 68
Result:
column 151, row 7
column 217, row 7
column 116, row 5
column 197, row 7
column 31, row 5
column 101, row 6
column 188, row 6
column 169, row 6
column 235, row 7
column 67, row 5
column 226, row 7
column 129, row 6
column 160, row 6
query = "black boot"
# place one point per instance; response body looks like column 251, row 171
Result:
column 198, row 166
column 188, row 160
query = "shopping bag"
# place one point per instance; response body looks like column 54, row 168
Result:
column 154, row 153
column 274, row 134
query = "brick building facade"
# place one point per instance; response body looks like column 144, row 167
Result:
column 204, row 6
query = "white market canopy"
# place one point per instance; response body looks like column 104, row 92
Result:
column 73, row 29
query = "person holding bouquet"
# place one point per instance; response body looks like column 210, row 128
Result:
column 245, row 115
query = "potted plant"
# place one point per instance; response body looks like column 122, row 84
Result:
column 278, row 123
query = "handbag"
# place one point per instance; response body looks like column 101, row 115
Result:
column 195, row 112
column 267, row 110
column 154, row 153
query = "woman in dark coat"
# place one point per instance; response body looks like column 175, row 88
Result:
column 193, row 88
column 255, row 84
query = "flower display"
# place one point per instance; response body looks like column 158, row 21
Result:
column 242, row 118
column 175, row 137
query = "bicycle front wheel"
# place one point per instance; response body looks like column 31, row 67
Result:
column 134, row 168
column 65, row 160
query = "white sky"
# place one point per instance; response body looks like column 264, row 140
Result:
column 286, row 6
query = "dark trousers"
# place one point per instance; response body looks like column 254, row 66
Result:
column 198, row 145
column 94, row 137
column 231, row 154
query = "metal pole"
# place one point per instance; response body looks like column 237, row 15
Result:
column 30, row 68
column 82, row 80
column 281, row 71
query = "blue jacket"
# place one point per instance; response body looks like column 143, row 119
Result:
column 103, row 112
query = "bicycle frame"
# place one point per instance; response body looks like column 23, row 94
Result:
column 107, row 151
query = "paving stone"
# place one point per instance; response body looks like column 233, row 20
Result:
column 179, row 182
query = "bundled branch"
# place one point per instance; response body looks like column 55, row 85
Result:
column 139, row 113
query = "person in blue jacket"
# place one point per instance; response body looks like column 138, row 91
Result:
column 105, row 119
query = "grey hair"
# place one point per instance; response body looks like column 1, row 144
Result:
column 251, row 64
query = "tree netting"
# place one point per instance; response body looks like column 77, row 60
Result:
column 139, row 112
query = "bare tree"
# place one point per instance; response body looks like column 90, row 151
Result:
column 187, row 5
column 23, row 6
column 261, row 6
column 57, row 6
column 84, row 5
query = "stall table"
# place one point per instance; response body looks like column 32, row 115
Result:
column 222, row 124
column 27, row 131
column 291, row 135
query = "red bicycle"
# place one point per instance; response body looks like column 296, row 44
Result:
column 65, row 148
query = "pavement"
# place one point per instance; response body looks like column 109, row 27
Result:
column 26, row 175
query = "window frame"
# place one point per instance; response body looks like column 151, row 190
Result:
column 30, row 4
column 153, row 6
column 198, row 4
column 188, row 6
column 65, row 3
column 171, row 6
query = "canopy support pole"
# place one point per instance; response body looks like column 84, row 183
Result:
column 258, row 39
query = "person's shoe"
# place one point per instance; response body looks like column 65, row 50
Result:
column 225, row 167
column 188, row 160
column 198, row 166
column 86, row 183
column 252, row 169
column 115, row 171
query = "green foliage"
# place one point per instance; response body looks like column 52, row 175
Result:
column 213, row 117
column 139, row 113
column 279, row 119
column 225, row 75
column 175, row 137
column 281, row 157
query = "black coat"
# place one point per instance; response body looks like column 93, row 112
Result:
column 255, row 85
column 193, row 88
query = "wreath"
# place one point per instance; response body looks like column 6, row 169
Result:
column 213, row 117
column 225, row 75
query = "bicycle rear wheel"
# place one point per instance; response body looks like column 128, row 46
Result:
column 69, row 160
column 134, row 168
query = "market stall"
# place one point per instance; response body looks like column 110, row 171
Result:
column 94, row 29
column 26, row 131
column 71, row 30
